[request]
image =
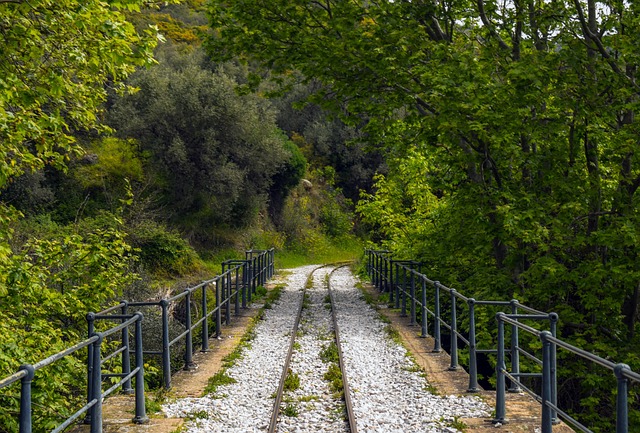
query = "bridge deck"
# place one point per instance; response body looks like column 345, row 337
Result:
column 523, row 412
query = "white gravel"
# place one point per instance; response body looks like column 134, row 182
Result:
column 388, row 394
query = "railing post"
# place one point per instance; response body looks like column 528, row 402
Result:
column 166, row 349
column 515, row 350
column 500, row 381
column 25, row 399
column 403, row 311
column 437, row 348
column 91, row 329
column 389, row 287
column 126, row 361
column 96, row 377
column 237, row 290
column 553, row 324
column 249, row 281
column 244, row 285
column 622, row 408
column 394, row 284
column 423, row 317
column 473, row 361
column 218, row 310
column 412, row 309
column 205, row 321
column 397, row 298
column 454, row 333
column 546, row 425
column 227, row 297
column 141, row 411
column 188, row 350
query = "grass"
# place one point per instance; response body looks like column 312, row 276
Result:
column 329, row 353
column 457, row 424
column 292, row 381
column 290, row 411
column 338, row 251
column 334, row 377
column 219, row 379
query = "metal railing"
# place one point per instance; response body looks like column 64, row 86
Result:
column 418, row 296
column 95, row 361
column 234, row 286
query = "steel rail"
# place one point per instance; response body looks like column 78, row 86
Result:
column 351, row 419
column 273, row 423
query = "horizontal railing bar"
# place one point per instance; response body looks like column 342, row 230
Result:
column 583, row 353
column 529, row 309
column 487, row 350
column 113, row 354
column 495, row 303
column 15, row 377
column 522, row 326
column 121, row 326
column 526, row 374
column 567, row 417
column 461, row 337
column 145, row 304
column 530, row 356
column 75, row 416
column 62, row 354
column 175, row 340
column 110, row 309
column 528, row 316
column 523, row 386
column 114, row 316
column 178, row 296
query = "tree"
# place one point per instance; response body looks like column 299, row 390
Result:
column 212, row 153
column 511, row 140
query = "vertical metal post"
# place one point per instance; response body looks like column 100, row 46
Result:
column 394, row 284
column 249, row 278
column 622, row 408
column 385, row 287
column 473, row 360
column 237, row 290
column 397, row 298
column 515, row 350
column 547, row 425
column 403, row 311
column 96, row 377
column 244, row 284
column 205, row 321
column 25, row 399
column 553, row 324
column 375, row 271
column 412, row 299
column 126, row 361
column 437, row 348
column 141, row 411
column 188, row 350
column 91, row 329
column 500, row 380
column 390, row 288
column 166, row 349
column 423, row 316
column 454, row 333
column 218, row 309
column 227, row 310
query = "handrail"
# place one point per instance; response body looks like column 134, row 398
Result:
column 239, row 279
column 407, row 287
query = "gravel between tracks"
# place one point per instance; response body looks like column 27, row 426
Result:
column 388, row 394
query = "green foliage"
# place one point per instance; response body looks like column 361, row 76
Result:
column 511, row 138
column 292, row 381
column 221, row 378
column 50, row 283
column 213, row 154
column 163, row 251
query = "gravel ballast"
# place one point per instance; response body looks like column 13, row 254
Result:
column 389, row 394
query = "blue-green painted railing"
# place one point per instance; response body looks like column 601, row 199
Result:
column 411, row 291
column 236, row 284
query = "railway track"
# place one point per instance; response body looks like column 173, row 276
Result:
column 310, row 391
column 349, row 423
